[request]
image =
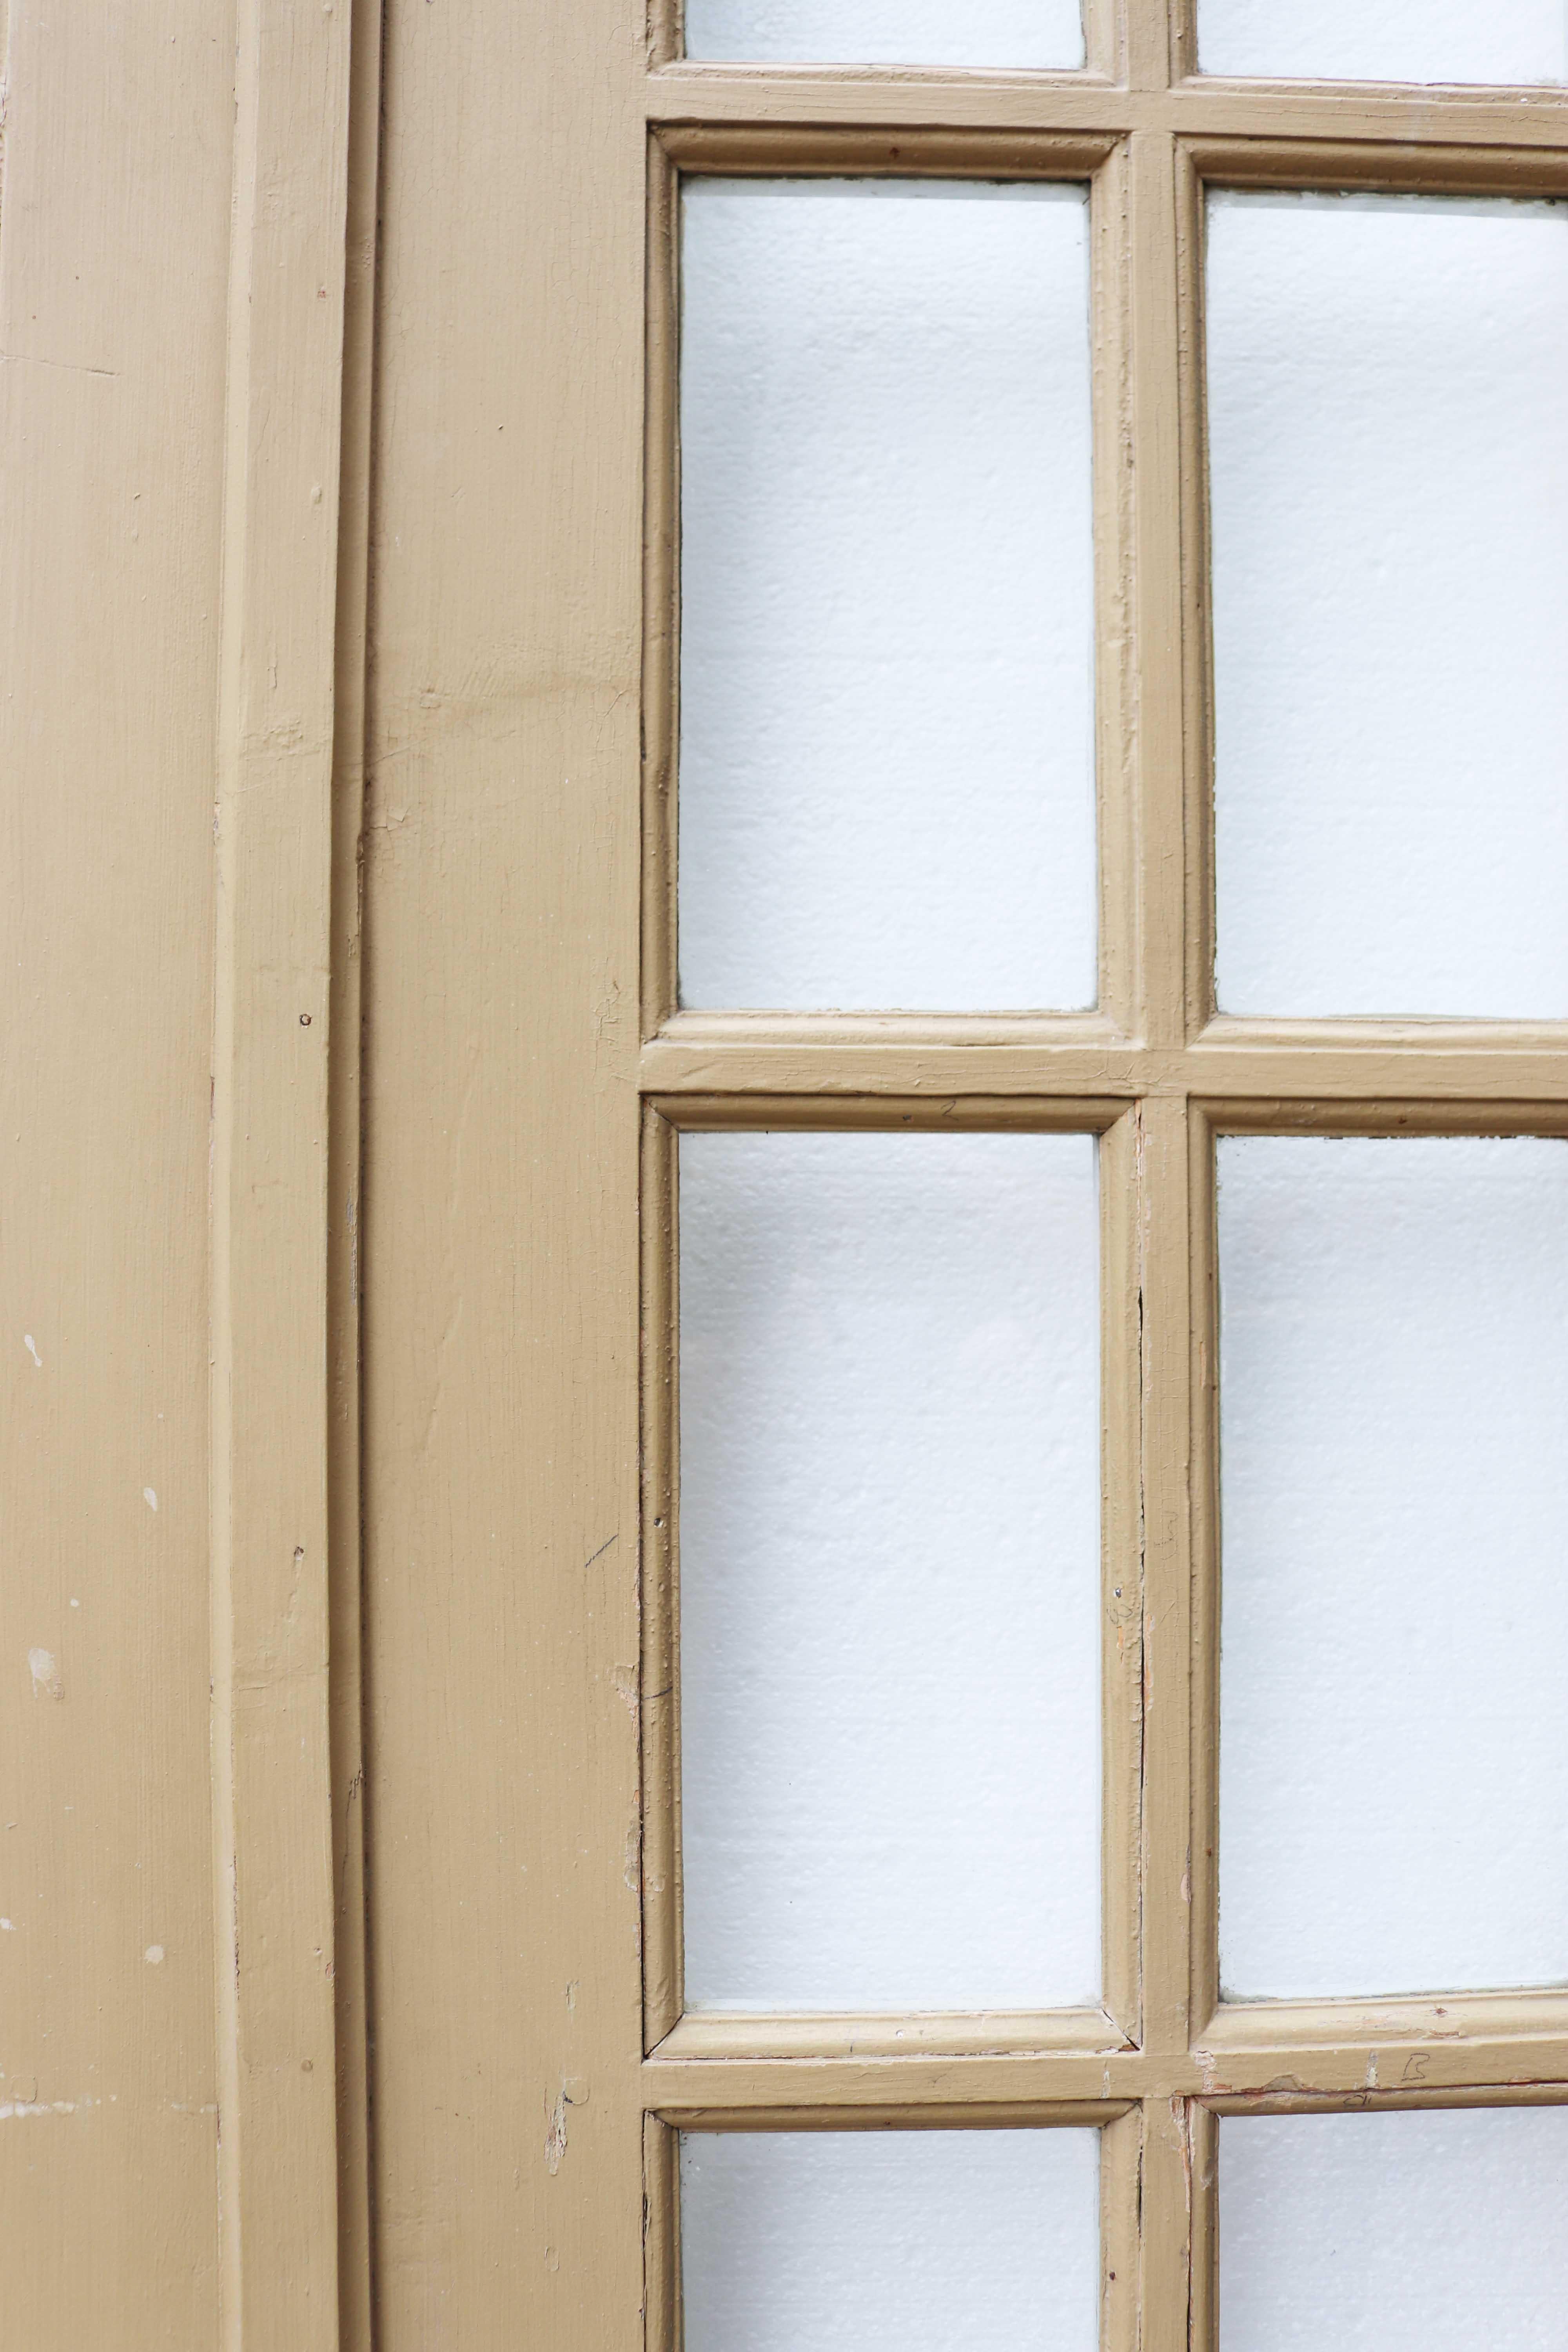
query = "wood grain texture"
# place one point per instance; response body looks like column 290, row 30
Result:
column 112, row 399
column 274, row 1893
column 501, row 1144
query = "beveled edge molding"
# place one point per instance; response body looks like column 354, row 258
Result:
column 717, row 2038
column 1491, row 2017
column 1415, row 162
column 962, row 151
column 1048, row 1114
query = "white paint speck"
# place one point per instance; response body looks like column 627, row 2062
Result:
column 150, row 1498
column 154, row 1954
column 43, row 1667
column 28, row 1343
column 76, row 1604
column 7, row 1926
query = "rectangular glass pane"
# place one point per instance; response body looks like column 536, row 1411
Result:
column 1387, row 40
column 888, row 32
column 886, row 776
column 890, row 2241
column 1390, row 513
column 1429, row 2232
column 1394, row 1403
column 889, row 1570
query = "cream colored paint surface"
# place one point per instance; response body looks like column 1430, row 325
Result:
column 188, row 227
column 113, row 260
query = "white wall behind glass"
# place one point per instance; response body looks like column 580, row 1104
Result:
column 890, row 2241
column 999, row 33
column 1393, row 1445
column 1389, row 483
column 889, row 1570
column 887, row 771
column 1387, row 40
column 1438, row 2231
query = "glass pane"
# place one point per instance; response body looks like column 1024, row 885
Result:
column 1394, row 1361
column 1385, row 40
column 890, row 2241
column 1430, row 2231
column 888, row 32
column 887, row 789
column 890, row 1508
column 1389, row 500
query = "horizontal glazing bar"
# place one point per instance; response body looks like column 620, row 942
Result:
column 1076, row 1073
column 1244, row 2027
column 917, row 101
column 1039, row 2084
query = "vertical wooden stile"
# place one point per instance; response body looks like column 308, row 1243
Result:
column 272, row 1398
column 345, row 1594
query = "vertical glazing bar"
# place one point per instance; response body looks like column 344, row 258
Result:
column 1121, row 2202
column 1166, row 2272
column 1166, row 1300
column 1202, row 2209
column 1184, row 40
column 1147, row 43
column 1197, row 666
column 663, row 1998
column 1121, row 1699
column 661, row 568
column 662, row 2330
column 1203, row 1312
column 1104, row 43
column 1115, row 552
column 1157, row 607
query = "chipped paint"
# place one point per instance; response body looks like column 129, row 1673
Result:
column 555, row 2138
column 44, row 1669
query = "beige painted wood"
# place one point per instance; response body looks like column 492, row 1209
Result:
column 1529, row 123
column 1326, row 2059
column 170, row 362
column 528, row 1072
column 310, row 527
column 346, row 1689
column 274, row 1878
column 111, row 389
column 1443, row 1067
column 500, row 1218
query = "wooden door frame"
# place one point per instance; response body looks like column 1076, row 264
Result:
column 520, row 2124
